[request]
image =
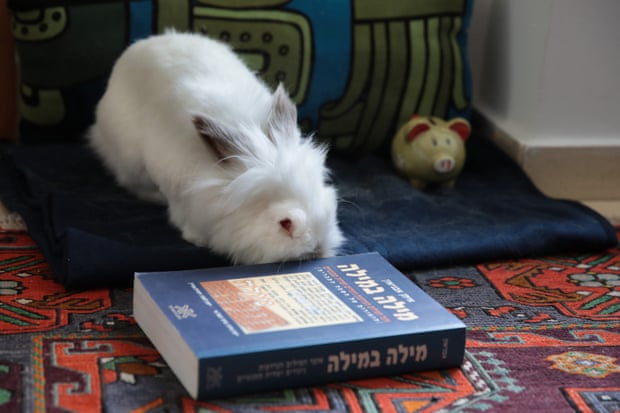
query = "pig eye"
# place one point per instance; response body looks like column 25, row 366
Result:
column 434, row 142
column 448, row 141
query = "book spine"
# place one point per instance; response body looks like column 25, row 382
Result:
column 272, row 370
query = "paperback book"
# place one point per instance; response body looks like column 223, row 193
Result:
column 245, row 329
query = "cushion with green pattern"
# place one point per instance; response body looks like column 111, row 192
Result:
column 356, row 68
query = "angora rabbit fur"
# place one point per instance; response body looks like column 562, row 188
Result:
column 184, row 121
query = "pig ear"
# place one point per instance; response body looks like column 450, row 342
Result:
column 461, row 127
column 416, row 130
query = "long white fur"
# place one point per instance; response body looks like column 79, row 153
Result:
column 145, row 135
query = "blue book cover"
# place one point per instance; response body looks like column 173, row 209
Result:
column 233, row 330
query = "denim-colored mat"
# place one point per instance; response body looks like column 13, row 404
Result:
column 94, row 233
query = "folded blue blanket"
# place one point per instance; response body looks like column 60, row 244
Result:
column 94, row 233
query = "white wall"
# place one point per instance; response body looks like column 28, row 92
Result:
column 580, row 85
column 546, row 76
column 548, row 71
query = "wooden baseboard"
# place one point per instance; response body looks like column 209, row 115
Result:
column 608, row 209
column 588, row 172
column 583, row 171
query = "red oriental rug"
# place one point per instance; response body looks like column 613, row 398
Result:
column 544, row 336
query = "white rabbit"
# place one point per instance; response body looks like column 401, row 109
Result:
column 184, row 121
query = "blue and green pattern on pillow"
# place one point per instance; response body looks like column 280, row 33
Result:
column 356, row 68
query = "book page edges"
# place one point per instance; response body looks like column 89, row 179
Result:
column 166, row 339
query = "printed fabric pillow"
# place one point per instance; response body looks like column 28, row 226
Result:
column 356, row 68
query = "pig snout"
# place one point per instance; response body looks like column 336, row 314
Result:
column 444, row 164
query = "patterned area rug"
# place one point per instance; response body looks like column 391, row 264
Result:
column 544, row 335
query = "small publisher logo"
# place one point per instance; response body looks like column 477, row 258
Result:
column 182, row 311
column 214, row 377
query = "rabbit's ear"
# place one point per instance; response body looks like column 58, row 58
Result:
column 219, row 138
column 283, row 116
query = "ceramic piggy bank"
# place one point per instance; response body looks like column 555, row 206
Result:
column 430, row 151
